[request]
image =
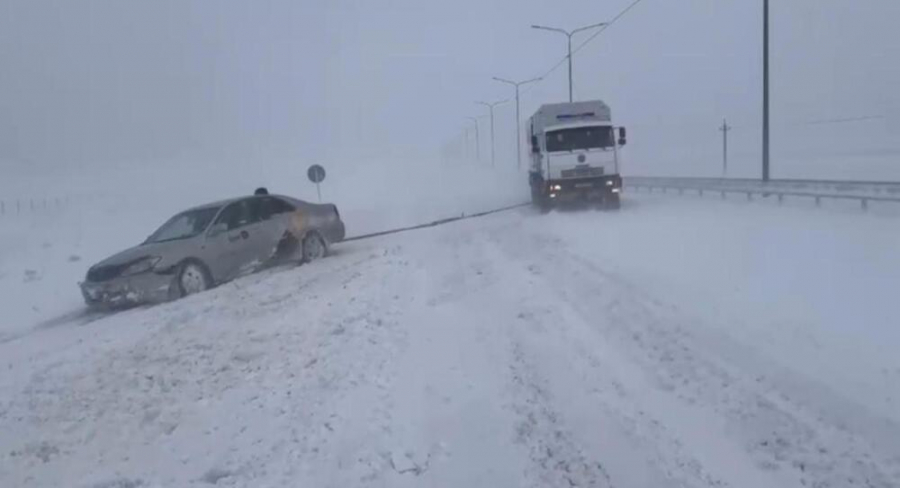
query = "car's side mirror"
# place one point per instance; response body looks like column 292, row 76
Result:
column 216, row 229
column 622, row 138
column 535, row 147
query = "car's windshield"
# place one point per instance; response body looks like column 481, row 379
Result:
column 579, row 138
column 184, row 225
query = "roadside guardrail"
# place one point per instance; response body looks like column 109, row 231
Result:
column 33, row 205
column 863, row 192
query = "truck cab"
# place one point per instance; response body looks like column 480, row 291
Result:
column 575, row 155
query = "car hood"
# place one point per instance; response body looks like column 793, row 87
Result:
column 167, row 250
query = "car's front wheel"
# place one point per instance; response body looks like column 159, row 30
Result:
column 193, row 278
column 314, row 247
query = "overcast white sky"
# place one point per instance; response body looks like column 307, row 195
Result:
column 112, row 83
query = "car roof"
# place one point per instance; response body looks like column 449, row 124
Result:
column 222, row 203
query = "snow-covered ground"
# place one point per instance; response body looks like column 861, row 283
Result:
column 678, row 342
column 44, row 253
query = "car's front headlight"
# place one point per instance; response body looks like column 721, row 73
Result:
column 141, row 266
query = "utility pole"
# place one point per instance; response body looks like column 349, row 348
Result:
column 765, row 136
column 477, row 140
column 491, row 107
column 725, row 128
column 466, row 143
column 518, row 117
column 569, row 35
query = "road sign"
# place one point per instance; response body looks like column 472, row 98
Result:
column 316, row 173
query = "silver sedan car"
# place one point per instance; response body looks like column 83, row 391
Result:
column 211, row 244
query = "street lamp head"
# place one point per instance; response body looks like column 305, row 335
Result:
column 492, row 105
column 554, row 29
column 516, row 83
column 569, row 33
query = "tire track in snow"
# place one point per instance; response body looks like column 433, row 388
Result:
column 783, row 439
column 448, row 429
column 486, row 301
column 557, row 459
column 477, row 280
column 472, row 408
column 584, row 406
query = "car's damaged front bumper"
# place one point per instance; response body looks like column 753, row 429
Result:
column 131, row 290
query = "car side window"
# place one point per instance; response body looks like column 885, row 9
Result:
column 281, row 206
column 269, row 206
column 236, row 215
column 259, row 211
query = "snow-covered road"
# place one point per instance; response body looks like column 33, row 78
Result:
column 669, row 344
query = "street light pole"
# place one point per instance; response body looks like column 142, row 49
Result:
column 570, row 66
column 491, row 107
column 477, row 140
column 569, row 35
column 765, row 158
column 518, row 117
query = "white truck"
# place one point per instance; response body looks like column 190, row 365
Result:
column 575, row 154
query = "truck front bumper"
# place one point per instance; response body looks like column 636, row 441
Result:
column 585, row 189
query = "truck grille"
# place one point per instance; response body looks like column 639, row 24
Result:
column 582, row 172
column 103, row 273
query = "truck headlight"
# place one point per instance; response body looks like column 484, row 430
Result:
column 610, row 183
column 616, row 190
column 556, row 187
column 141, row 266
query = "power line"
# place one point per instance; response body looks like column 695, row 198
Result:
column 611, row 22
column 845, row 120
column 586, row 41
column 562, row 61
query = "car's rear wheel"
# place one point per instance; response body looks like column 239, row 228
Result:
column 193, row 278
column 314, row 247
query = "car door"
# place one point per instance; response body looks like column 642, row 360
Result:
column 233, row 240
column 269, row 228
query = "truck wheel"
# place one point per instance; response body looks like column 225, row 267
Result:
column 539, row 201
column 537, row 184
column 542, row 204
column 612, row 202
column 536, row 197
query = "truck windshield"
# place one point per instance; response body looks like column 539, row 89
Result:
column 579, row 138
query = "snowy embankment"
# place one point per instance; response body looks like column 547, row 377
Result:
column 43, row 254
column 678, row 342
